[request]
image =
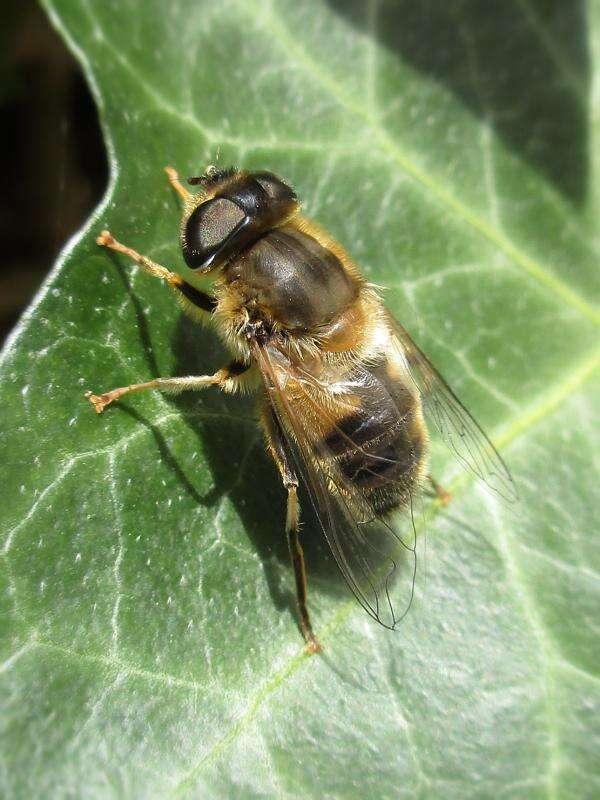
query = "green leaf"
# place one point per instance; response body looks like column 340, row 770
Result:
column 149, row 642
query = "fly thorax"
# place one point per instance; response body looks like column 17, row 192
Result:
column 292, row 281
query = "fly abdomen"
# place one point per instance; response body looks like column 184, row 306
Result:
column 384, row 467
column 380, row 448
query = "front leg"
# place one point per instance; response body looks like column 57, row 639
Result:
column 200, row 301
column 225, row 378
column 185, row 195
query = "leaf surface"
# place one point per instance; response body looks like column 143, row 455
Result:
column 149, row 643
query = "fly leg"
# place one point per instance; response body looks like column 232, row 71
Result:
column 192, row 299
column 290, row 482
column 442, row 494
column 297, row 555
column 225, row 378
column 177, row 185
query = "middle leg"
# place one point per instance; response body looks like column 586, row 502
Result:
column 225, row 378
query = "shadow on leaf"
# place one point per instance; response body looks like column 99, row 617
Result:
column 250, row 479
column 522, row 66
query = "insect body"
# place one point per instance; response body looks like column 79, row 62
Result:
column 341, row 385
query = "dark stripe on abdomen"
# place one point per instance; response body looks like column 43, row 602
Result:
column 381, row 461
column 380, row 447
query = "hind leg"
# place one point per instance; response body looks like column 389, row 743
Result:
column 292, row 526
column 442, row 494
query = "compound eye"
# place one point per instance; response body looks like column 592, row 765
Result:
column 276, row 189
column 208, row 229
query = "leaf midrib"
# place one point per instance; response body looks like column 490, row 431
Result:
column 545, row 404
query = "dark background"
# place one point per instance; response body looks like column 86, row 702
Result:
column 53, row 163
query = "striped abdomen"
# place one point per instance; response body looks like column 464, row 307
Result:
column 380, row 447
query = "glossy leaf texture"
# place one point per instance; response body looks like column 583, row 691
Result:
column 149, row 645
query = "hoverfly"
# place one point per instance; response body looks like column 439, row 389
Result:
column 342, row 387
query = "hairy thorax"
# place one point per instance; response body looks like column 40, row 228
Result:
column 293, row 286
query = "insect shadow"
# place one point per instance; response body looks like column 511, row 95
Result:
column 242, row 469
column 239, row 463
column 256, row 490
column 523, row 68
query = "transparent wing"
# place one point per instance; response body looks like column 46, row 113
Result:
column 371, row 555
column 457, row 427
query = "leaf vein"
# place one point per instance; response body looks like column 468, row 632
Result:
column 112, row 449
column 532, row 417
column 429, row 181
